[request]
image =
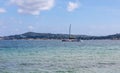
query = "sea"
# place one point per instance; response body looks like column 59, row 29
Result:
column 55, row 56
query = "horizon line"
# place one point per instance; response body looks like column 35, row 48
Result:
column 57, row 33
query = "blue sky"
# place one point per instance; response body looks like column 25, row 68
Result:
column 89, row 17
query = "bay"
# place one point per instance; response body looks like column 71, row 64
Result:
column 54, row 56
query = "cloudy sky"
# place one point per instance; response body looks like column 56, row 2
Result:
column 91, row 17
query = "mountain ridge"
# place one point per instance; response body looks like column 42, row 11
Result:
column 34, row 35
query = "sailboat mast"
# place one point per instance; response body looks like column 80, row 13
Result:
column 69, row 31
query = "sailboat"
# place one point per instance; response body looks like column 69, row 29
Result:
column 70, row 39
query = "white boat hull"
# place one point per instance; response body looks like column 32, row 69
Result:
column 70, row 40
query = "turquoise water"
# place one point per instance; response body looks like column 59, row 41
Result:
column 30, row 56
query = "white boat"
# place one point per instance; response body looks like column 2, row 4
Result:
column 70, row 39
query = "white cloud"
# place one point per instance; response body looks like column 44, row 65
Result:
column 30, row 27
column 33, row 7
column 2, row 10
column 72, row 6
column 16, row 29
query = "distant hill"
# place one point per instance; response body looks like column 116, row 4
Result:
column 33, row 35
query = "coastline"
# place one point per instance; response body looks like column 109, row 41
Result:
column 50, row 36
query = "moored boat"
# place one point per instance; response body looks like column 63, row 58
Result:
column 70, row 39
